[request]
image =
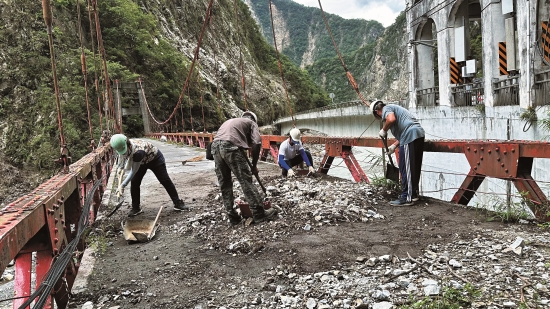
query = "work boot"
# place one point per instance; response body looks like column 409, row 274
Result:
column 180, row 205
column 266, row 215
column 234, row 218
column 135, row 211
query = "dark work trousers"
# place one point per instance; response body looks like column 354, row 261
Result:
column 410, row 164
column 295, row 161
column 230, row 158
column 158, row 166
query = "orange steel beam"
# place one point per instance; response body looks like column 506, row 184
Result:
column 509, row 160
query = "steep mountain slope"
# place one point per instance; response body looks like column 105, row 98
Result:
column 151, row 40
column 301, row 33
column 376, row 57
column 380, row 69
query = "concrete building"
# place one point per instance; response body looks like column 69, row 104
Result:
column 512, row 67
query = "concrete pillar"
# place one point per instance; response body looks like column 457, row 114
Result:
column 526, row 19
column 492, row 25
column 444, row 42
column 144, row 110
column 118, row 108
column 412, row 63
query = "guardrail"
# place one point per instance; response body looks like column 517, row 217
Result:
column 427, row 97
column 509, row 160
column 542, row 88
column 506, row 91
column 468, row 94
column 43, row 221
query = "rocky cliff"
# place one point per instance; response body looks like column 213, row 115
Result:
column 151, row 40
column 376, row 57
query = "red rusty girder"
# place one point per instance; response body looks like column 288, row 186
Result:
column 44, row 217
column 508, row 160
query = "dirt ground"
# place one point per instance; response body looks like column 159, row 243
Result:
column 190, row 264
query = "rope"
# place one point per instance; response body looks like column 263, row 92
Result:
column 348, row 73
column 117, row 125
column 241, row 60
column 280, row 65
column 47, row 12
column 84, row 70
column 195, row 57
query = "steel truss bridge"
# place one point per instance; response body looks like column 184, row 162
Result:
column 45, row 220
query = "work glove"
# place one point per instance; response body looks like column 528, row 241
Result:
column 291, row 173
column 311, row 169
column 119, row 191
column 383, row 133
column 392, row 148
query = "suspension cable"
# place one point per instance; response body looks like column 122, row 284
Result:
column 64, row 151
column 190, row 111
column 84, row 73
column 187, row 80
column 47, row 12
column 348, row 73
column 216, row 73
column 182, row 119
column 117, row 125
column 96, row 83
column 280, row 64
column 201, row 94
column 241, row 60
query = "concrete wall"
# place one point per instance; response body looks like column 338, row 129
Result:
column 448, row 15
column 443, row 173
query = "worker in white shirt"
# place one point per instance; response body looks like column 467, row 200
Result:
column 288, row 154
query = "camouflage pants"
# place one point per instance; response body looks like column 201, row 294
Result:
column 230, row 158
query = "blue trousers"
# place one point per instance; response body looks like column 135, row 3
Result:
column 410, row 164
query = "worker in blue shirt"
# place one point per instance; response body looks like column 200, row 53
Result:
column 288, row 154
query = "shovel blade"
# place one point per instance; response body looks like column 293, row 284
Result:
column 392, row 173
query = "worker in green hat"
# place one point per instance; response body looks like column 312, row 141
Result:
column 138, row 156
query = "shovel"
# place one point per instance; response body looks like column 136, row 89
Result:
column 117, row 206
column 392, row 171
column 245, row 207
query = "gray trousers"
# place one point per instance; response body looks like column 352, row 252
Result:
column 230, row 158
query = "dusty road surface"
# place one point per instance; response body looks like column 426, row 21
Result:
column 335, row 244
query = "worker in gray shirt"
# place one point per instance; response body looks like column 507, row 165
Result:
column 410, row 140
column 234, row 137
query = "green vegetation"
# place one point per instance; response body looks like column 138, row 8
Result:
column 303, row 22
column 331, row 70
column 135, row 48
column 500, row 209
column 450, row 298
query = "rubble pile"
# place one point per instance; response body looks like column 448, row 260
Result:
column 304, row 204
column 488, row 272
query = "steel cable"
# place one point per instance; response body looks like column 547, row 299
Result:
column 280, row 64
column 191, row 69
column 42, row 292
column 96, row 80
column 352, row 81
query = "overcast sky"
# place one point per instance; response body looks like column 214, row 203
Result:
column 384, row 11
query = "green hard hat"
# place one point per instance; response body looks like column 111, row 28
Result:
column 118, row 142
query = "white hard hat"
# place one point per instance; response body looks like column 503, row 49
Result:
column 373, row 107
column 249, row 113
column 295, row 134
